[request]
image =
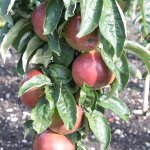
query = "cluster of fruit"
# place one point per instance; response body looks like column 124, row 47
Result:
column 87, row 68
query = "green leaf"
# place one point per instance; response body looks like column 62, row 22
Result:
column 27, row 27
column 75, row 137
column 10, row 5
column 72, row 87
column 90, row 14
column 120, row 69
column 23, row 13
column 87, row 96
column 117, row 106
column 70, row 6
column 3, row 32
column 41, row 115
column 81, row 146
column 5, row 18
column 24, row 42
column 33, row 44
column 66, row 107
column 139, row 51
column 36, row 81
column 52, row 93
column 42, row 56
column 99, row 126
column 145, row 8
column 53, row 42
column 53, row 14
column 66, row 55
column 27, row 6
column 10, row 37
column 124, row 4
column 6, row 5
column 20, row 70
column 29, row 129
column 60, row 73
column 112, row 29
column 2, row 20
column 134, row 71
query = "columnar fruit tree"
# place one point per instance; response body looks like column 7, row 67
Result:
column 69, row 52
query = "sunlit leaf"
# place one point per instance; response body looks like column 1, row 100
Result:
column 66, row 107
column 10, row 37
column 53, row 42
column 87, row 96
column 120, row 69
column 42, row 56
column 90, row 17
column 41, row 115
column 53, row 13
column 70, row 6
column 112, row 30
column 100, row 128
column 117, row 106
column 139, row 51
column 36, row 81
column 33, row 44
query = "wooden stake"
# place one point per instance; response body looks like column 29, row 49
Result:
column 146, row 94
